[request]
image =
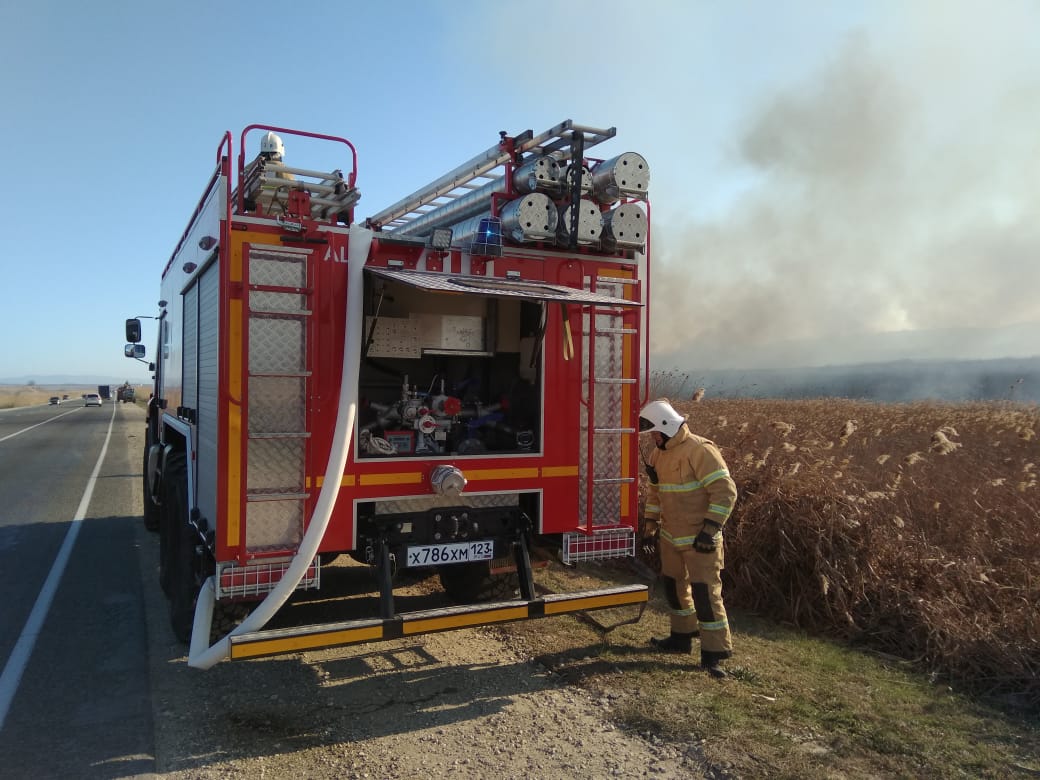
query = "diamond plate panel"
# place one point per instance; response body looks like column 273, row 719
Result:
column 425, row 503
column 277, row 269
column 266, row 301
column 275, row 466
column 276, row 345
column 274, row 524
column 606, row 504
column 277, row 404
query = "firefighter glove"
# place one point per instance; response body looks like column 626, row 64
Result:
column 649, row 536
column 705, row 541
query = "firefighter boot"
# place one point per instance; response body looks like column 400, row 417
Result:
column 675, row 643
column 710, row 663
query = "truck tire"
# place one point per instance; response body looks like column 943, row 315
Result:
column 468, row 583
column 167, row 526
column 227, row 617
column 183, row 586
column 151, row 510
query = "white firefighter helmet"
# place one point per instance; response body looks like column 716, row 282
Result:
column 660, row 416
column 272, row 144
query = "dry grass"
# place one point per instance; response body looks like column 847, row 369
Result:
column 14, row 396
column 910, row 529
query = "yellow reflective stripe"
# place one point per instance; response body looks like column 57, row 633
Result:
column 683, row 612
column 684, row 487
column 720, row 509
column 678, row 541
column 717, row 625
column 715, row 476
column 464, row 620
column 559, row 471
column 305, row 642
column 404, row 478
column 347, row 481
column 530, row 473
column 652, row 508
column 593, row 602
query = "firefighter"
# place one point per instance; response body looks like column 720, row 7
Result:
column 691, row 495
column 272, row 148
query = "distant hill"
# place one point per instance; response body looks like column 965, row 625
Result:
column 1008, row 379
column 50, row 380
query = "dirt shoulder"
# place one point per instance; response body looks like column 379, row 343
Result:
column 467, row 703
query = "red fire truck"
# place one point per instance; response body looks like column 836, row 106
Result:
column 448, row 384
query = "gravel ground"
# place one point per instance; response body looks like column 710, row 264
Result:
column 458, row 704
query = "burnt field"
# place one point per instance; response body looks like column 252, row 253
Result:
column 910, row 529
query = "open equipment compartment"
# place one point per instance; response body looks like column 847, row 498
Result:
column 449, row 374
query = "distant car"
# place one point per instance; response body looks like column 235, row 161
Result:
column 92, row 399
column 65, row 397
column 55, row 400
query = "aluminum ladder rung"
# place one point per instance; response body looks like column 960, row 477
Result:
column 286, row 496
column 556, row 139
column 612, row 480
column 271, row 313
column 614, row 381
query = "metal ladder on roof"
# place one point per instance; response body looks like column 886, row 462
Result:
column 610, row 374
column 268, row 185
column 444, row 193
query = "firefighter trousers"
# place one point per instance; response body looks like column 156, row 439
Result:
column 693, row 586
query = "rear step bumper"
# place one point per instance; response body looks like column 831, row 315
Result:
column 291, row 640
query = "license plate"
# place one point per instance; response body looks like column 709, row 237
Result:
column 440, row 554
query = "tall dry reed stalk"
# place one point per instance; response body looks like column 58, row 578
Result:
column 912, row 529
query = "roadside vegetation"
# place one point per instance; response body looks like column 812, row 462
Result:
column 16, row 396
column 13, row 396
column 882, row 577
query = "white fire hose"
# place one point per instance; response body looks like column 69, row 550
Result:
column 200, row 655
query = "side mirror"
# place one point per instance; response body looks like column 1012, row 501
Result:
column 135, row 351
column 133, row 332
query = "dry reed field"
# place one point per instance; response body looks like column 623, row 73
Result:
column 14, row 396
column 909, row 529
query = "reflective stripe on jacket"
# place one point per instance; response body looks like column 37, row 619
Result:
column 693, row 484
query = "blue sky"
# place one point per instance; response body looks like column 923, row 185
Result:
column 820, row 172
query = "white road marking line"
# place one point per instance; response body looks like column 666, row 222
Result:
column 51, row 419
column 23, row 648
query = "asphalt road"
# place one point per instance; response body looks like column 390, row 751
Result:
column 74, row 693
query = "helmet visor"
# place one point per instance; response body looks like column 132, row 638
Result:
column 644, row 425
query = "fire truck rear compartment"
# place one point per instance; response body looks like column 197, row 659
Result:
column 448, row 374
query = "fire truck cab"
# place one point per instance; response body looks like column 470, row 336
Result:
column 445, row 384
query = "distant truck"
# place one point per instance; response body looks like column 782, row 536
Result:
column 125, row 393
column 105, row 391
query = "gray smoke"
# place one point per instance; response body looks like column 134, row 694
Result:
column 883, row 201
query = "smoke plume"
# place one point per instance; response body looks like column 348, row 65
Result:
column 890, row 196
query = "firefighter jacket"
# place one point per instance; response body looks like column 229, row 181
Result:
column 693, row 484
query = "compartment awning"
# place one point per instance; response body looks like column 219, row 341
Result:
column 497, row 287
